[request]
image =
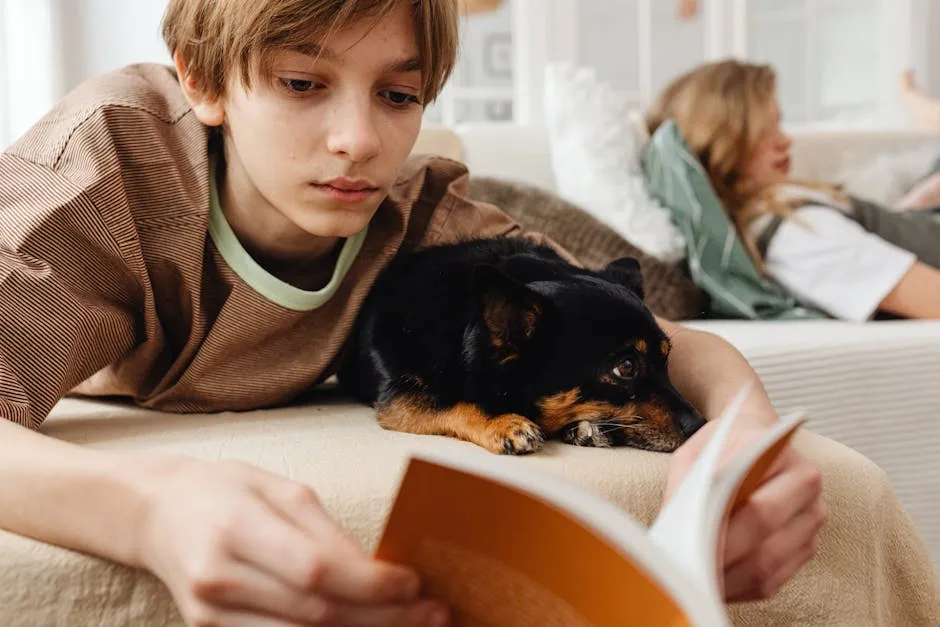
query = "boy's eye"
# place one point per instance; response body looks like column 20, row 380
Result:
column 399, row 98
column 297, row 85
column 625, row 370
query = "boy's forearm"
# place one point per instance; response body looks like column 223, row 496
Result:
column 708, row 371
column 60, row 493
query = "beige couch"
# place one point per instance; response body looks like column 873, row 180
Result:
column 872, row 567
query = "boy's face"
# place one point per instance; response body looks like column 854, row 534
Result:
column 313, row 148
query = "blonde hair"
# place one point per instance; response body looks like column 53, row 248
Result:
column 723, row 110
column 217, row 38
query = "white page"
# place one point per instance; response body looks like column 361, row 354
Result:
column 678, row 528
column 689, row 526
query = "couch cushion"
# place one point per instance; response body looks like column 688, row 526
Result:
column 669, row 292
column 870, row 386
column 508, row 151
column 439, row 140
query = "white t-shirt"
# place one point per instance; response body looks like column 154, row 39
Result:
column 828, row 261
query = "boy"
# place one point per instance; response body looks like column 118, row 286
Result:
column 200, row 240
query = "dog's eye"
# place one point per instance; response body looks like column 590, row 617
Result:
column 625, row 370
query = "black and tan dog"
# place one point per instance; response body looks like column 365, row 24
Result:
column 502, row 343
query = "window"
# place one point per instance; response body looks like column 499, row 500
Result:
column 837, row 60
column 30, row 64
column 826, row 54
column 481, row 88
column 4, row 84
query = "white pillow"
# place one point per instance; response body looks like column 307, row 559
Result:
column 595, row 138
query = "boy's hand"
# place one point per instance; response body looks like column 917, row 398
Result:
column 237, row 545
column 775, row 532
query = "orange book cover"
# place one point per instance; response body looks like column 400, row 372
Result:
column 502, row 558
column 506, row 546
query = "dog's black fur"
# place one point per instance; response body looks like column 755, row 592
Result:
column 503, row 343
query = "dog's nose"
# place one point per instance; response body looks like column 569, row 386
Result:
column 689, row 423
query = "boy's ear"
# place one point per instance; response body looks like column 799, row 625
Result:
column 511, row 311
column 209, row 111
column 626, row 272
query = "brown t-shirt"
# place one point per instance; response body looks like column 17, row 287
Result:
column 119, row 276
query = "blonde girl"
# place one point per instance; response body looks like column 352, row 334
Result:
column 842, row 255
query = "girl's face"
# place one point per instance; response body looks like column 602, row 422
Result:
column 769, row 164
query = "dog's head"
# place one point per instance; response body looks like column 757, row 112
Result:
column 581, row 351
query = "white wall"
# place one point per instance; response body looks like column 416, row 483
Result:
column 101, row 35
column 838, row 61
column 52, row 45
column 47, row 47
column 929, row 44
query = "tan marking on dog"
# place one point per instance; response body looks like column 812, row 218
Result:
column 659, row 430
column 497, row 315
column 496, row 312
column 508, row 433
column 557, row 410
column 641, row 346
column 664, row 348
column 648, row 425
column 565, row 408
column 531, row 317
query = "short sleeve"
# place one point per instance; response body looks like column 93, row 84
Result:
column 67, row 296
column 830, row 262
column 458, row 218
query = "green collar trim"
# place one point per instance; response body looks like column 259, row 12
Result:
column 259, row 279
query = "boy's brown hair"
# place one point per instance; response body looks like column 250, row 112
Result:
column 218, row 37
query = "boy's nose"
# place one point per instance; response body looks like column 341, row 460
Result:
column 354, row 134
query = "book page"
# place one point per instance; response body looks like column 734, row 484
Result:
column 745, row 472
column 711, row 490
column 499, row 556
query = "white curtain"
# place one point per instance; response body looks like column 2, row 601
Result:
column 31, row 64
column 47, row 47
column 4, row 91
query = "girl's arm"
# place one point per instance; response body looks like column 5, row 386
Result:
column 917, row 295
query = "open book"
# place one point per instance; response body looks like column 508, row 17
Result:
column 508, row 546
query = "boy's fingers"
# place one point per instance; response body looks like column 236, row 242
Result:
column 299, row 504
column 309, row 563
column 419, row 615
column 743, row 585
column 249, row 590
column 770, row 508
column 763, row 566
column 232, row 618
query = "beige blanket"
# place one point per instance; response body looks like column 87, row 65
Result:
column 872, row 568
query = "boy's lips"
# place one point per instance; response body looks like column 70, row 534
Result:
column 347, row 190
column 351, row 185
column 783, row 165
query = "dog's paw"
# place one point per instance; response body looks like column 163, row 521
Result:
column 511, row 434
column 585, row 433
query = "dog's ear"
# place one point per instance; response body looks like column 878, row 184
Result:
column 626, row 272
column 511, row 311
